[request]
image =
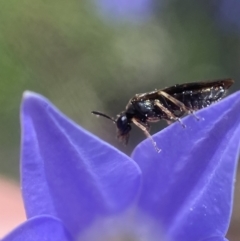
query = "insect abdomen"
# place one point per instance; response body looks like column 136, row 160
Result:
column 198, row 99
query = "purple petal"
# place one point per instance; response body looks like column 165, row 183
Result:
column 215, row 239
column 38, row 229
column 69, row 173
column 188, row 186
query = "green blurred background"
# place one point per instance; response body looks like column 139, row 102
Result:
column 95, row 55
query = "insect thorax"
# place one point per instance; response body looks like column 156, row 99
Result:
column 144, row 111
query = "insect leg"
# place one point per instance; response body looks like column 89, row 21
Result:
column 145, row 130
column 178, row 103
column 174, row 101
column 193, row 113
column 170, row 115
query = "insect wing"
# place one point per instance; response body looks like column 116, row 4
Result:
column 199, row 94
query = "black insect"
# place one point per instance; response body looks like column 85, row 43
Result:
column 169, row 104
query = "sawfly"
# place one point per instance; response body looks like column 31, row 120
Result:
column 169, row 104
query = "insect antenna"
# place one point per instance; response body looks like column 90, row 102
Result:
column 104, row 115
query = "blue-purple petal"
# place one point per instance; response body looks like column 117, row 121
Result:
column 219, row 238
column 69, row 173
column 188, row 186
column 42, row 228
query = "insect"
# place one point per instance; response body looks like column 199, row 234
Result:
column 168, row 104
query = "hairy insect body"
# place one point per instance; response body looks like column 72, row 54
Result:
column 169, row 104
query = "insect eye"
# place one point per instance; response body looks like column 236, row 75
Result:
column 122, row 122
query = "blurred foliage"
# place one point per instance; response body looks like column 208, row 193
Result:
column 83, row 61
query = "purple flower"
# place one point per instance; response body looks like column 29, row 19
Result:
column 125, row 10
column 77, row 187
column 228, row 15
